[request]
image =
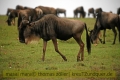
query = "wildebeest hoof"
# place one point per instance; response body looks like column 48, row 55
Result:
column 78, row 60
column 43, row 59
column 103, row 42
column 64, row 58
column 22, row 41
column 113, row 43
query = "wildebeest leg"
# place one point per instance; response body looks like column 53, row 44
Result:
column 94, row 15
column 104, row 31
column 88, row 14
column 81, row 50
column 65, row 14
column 76, row 15
column 57, row 14
column 119, row 32
column 44, row 49
column 14, row 22
column 100, row 40
column 99, row 35
column 54, row 40
column 115, row 34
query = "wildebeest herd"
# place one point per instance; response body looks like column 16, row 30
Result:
column 43, row 22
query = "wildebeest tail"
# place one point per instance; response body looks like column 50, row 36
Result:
column 88, row 40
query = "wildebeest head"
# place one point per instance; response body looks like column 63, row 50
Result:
column 94, row 33
column 93, row 37
column 9, row 21
column 26, row 32
column 11, row 17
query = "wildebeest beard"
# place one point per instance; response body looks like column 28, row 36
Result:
column 22, row 32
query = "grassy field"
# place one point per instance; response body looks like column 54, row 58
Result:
column 17, row 56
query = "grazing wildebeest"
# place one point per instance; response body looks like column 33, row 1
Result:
column 47, row 10
column 51, row 27
column 33, row 14
column 59, row 10
column 79, row 10
column 106, row 20
column 98, row 10
column 11, row 17
column 118, row 11
column 8, row 11
column 91, row 11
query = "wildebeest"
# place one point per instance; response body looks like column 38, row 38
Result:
column 91, row 11
column 19, row 7
column 47, row 10
column 51, row 27
column 59, row 10
column 106, row 20
column 11, row 17
column 98, row 10
column 27, row 14
column 9, row 10
column 79, row 10
column 118, row 11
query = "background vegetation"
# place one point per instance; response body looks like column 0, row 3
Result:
column 17, row 56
